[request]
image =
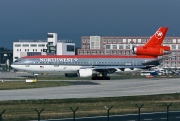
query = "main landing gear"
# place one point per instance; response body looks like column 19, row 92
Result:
column 103, row 76
column 100, row 78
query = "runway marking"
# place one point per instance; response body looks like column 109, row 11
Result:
column 148, row 119
column 163, row 118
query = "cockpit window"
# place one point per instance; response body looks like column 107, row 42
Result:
column 18, row 61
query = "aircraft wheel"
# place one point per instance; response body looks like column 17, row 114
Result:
column 107, row 78
column 94, row 78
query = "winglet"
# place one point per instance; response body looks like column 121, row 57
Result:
column 157, row 38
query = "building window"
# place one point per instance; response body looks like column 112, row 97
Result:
column 84, row 40
column 88, row 40
column 114, row 52
column 166, row 64
column 165, row 41
column 139, row 41
column 124, row 41
column 169, row 41
column 134, row 41
column 50, row 35
column 173, row 53
column 143, row 40
column 105, row 40
column 33, row 45
column 33, row 53
column 94, row 52
column 127, row 52
column 107, row 52
column 127, row 46
column 119, row 40
column 17, row 45
column 114, row 40
column 129, row 40
column 41, row 45
column 120, row 52
column 178, row 40
column 174, row 41
column 25, row 45
column 114, row 46
column 121, row 46
column 173, row 64
column 70, row 48
column 50, row 43
column 108, row 47
column 109, row 40
column 173, row 47
column 87, row 46
column 52, row 48
column 178, row 64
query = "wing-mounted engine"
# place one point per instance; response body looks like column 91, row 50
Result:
column 151, row 51
column 85, row 72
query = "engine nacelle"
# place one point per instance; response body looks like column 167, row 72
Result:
column 85, row 72
column 150, row 51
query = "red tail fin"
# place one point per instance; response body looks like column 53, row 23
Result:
column 157, row 38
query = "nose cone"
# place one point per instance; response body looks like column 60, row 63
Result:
column 13, row 65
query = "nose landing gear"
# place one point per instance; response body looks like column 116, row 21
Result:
column 103, row 76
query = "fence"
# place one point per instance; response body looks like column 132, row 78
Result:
column 137, row 107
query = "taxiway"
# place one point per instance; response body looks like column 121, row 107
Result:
column 100, row 88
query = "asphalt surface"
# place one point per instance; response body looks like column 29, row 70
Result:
column 156, row 116
column 98, row 88
column 13, row 75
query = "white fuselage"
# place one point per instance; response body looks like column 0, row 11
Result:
column 72, row 64
column 47, row 68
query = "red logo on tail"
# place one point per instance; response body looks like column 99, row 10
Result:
column 158, row 34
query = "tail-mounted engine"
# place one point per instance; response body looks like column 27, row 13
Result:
column 151, row 51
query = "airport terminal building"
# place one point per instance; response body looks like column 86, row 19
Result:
column 51, row 46
column 118, row 45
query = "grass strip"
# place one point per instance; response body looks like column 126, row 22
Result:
column 22, row 110
column 26, row 85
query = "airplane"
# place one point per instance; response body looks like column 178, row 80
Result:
column 97, row 66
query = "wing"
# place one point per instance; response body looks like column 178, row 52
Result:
column 112, row 69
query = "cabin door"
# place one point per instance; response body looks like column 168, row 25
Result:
column 91, row 62
column 134, row 63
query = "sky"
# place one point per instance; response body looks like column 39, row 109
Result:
column 71, row 19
